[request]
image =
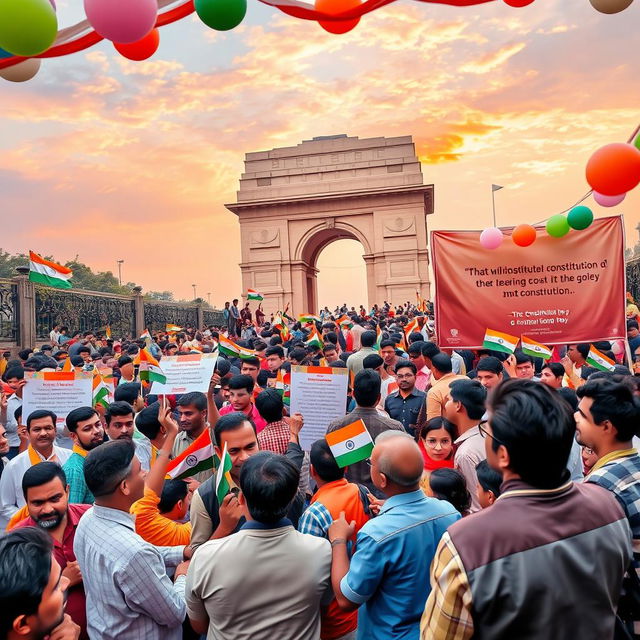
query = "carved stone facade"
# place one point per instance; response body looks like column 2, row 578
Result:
column 294, row 201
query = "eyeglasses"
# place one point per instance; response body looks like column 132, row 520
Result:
column 484, row 433
column 432, row 443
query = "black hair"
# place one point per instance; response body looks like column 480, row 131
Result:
column 230, row 422
column 368, row 338
column 366, row 387
column 450, row 485
column 117, row 409
column 438, row 423
column 41, row 413
column 415, row 336
column 430, row 349
column 570, row 397
column 270, row 405
column 24, row 354
column 442, row 363
column 297, row 354
column 323, row 461
column 415, row 348
column 25, row 568
column 387, row 343
column 488, row 478
column 331, row 337
column 223, row 366
column 275, row 351
column 471, row 394
column 83, row 350
column 42, row 473
column 259, row 345
column 106, row 466
column 522, row 358
column 147, row 421
column 13, row 371
column 252, row 361
column 129, row 392
column 632, row 324
column 242, row 382
column 172, row 492
column 372, row 361
column 330, row 346
column 76, row 361
column 583, row 349
column 17, row 414
column 491, row 364
column 532, row 422
column 613, row 401
column 79, row 415
column 122, row 360
column 269, row 483
column 406, row 364
column 555, row 367
column 195, row 399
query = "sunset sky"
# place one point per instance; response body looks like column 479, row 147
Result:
column 111, row 159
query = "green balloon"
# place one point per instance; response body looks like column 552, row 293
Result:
column 27, row 27
column 580, row 218
column 636, row 142
column 221, row 15
column 557, row 226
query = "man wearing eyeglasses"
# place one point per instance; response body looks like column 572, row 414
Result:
column 508, row 571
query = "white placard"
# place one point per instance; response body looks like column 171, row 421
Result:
column 320, row 395
column 57, row 391
column 191, row 372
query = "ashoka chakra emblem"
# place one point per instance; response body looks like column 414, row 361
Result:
column 191, row 461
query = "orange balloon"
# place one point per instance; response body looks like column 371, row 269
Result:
column 335, row 7
column 141, row 49
column 524, row 235
column 614, row 169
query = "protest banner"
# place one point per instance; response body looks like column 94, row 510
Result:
column 556, row 291
column 57, row 391
column 320, row 395
column 191, row 372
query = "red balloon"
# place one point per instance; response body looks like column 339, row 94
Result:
column 518, row 3
column 334, row 7
column 142, row 49
column 523, row 235
column 614, row 169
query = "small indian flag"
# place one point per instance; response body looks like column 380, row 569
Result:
column 67, row 366
column 350, row 444
column 46, row 272
column 283, row 386
column 376, row 346
column 233, row 350
column 307, row 318
column 197, row 457
column 172, row 328
column 252, row 294
column 314, row 339
column 598, row 360
column 535, row 349
column 223, row 476
column 150, row 370
column 100, row 390
column 345, row 321
column 412, row 327
column 497, row 341
column 145, row 334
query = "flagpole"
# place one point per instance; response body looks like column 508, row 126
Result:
column 494, row 188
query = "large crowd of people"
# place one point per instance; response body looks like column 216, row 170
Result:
column 501, row 498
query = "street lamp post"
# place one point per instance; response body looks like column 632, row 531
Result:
column 120, row 272
column 209, row 293
column 194, row 291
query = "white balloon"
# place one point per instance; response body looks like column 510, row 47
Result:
column 610, row 6
column 22, row 71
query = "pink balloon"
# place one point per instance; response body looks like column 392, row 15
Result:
column 122, row 21
column 491, row 238
column 608, row 201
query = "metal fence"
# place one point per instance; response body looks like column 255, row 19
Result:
column 213, row 317
column 158, row 314
column 633, row 278
column 8, row 311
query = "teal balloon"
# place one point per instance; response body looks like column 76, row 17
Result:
column 580, row 218
column 221, row 15
column 5, row 54
column 557, row 226
column 27, row 27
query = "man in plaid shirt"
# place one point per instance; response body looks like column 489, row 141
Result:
column 607, row 418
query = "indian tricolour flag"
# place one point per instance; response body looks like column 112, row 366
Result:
column 150, row 370
column 197, row 457
column 497, row 341
column 223, row 481
column 598, row 360
column 314, row 339
column 145, row 334
column 345, row 321
column 172, row 328
column 233, row 350
column 350, row 444
column 100, row 390
column 307, row 318
column 46, row 272
column 252, row 294
column 535, row 349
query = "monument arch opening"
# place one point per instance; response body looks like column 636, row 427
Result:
column 295, row 201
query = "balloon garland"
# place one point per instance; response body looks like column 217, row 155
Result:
column 29, row 28
column 612, row 171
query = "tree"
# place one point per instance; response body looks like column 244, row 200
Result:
column 167, row 296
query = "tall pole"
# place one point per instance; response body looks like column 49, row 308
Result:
column 194, row 291
column 209, row 298
column 120, row 272
column 493, row 200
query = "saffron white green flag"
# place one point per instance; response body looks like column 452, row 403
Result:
column 497, row 341
column 223, row 475
column 230, row 348
column 350, row 444
column 197, row 457
column 252, row 294
column 598, row 360
column 535, row 349
column 49, row 273
column 150, row 370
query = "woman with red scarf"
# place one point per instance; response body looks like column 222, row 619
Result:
column 436, row 444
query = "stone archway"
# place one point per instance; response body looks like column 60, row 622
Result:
column 294, row 201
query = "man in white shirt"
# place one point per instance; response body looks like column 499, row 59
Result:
column 41, row 427
column 14, row 378
column 267, row 580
